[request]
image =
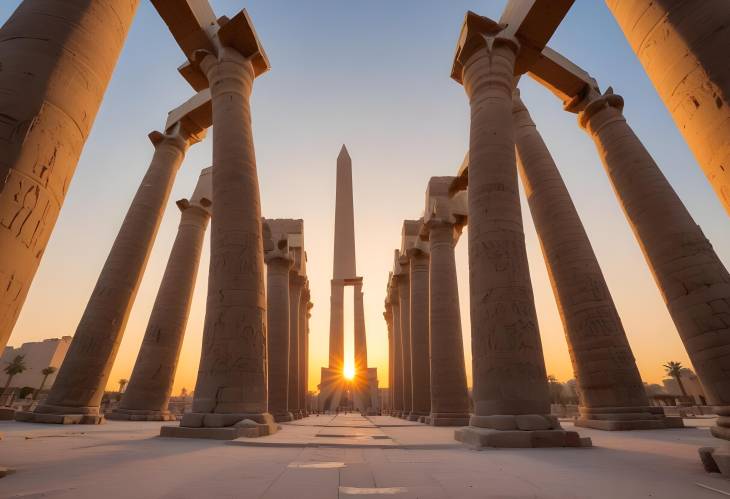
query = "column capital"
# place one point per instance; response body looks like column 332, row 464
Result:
column 295, row 279
column 594, row 102
column 177, row 137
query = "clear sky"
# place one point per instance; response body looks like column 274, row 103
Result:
column 373, row 75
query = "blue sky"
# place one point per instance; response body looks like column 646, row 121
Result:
column 375, row 76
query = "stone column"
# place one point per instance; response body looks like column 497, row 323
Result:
column 79, row 386
column 232, row 377
column 148, row 392
column 397, row 350
column 304, row 300
column 296, row 282
column 310, row 305
column 404, row 306
column 693, row 281
column 337, row 326
column 387, row 316
column 683, row 48
column 612, row 394
column 510, row 390
column 57, row 59
column 278, row 266
column 449, row 395
column 420, row 363
column 361, row 382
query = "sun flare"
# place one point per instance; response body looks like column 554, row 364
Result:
column 349, row 371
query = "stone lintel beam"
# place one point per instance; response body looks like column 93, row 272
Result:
column 531, row 22
column 195, row 28
column 570, row 83
column 409, row 237
column 443, row 204
column 203, row 193
column 195, row 115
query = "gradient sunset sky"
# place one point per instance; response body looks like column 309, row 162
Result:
column 373, row 75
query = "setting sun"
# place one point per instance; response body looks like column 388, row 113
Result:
column 349, row 371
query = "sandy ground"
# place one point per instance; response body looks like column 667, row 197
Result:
column 347, row 457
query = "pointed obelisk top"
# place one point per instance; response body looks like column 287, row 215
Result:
column 344, row 257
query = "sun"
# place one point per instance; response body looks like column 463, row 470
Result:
column 349, row 371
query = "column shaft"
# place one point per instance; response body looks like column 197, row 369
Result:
column 295, row 296
column 508, row 366
column 398, row 357
column 57, row 59
column 420, row 364
column 150, row 385
column 304, row 299
column 85, row 371
column 337, row 326
column 232, row 377
column 449, row 396
column 277, row 313
column 404, row 296
column 693, row 281
column 683, row 48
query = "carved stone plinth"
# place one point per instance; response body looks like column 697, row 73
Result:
column 63, row 418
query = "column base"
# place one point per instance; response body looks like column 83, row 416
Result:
column 518, row 431
column 283, row 417
column 448, row 419
column 626, row 418
column 7, row 413
column 48, row 418
column 222, row 426
column 416, row 416
column 141, row 415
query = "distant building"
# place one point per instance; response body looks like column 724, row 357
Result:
column 691, row 384
column 38, row 356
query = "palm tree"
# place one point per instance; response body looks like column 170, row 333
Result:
column 14, row 367
column 674, row 369
column 122, row 383
column 46, row 372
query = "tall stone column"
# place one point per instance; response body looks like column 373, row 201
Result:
column 57, row 59
column 337, row 326
column 308, row 405
column 303, row 302
column 693, row 281
column 278, row 265
column 387, row 315
column 362, row 381
column 449, row 395
column 397, row 349
column 510, row 392
column 404, row 297
column 148, row 392
column 296, row 282
column 419, row 321
column 683, row 48
column 76, row 394
column 232, row 377
column 612, row 394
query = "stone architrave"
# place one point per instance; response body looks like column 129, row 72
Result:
column 76, row 394
column 510, row 392
column 683, row 47
column 148, row 392
column 420, row 354
column 401, row 273
column 231, row 388
column 57, row 60
column 397, row 346
column 612, row 395
column 442, row 224
column 278, row 266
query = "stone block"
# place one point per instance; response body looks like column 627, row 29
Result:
column 192, row 420
column 229, row 433
column 721, row 456
column 36, row 417
column 720, row 432
column 527, row 422
column 707, row 460
column 214, row 420
column 496, row 422
column 549, row 438
column 7, row 414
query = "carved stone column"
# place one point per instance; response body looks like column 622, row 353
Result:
column 76, row 394
column 296, row 283
column 279, row 264
column 57, row 59
column 693, row 281
column 303, row 339
column 397, row 349
column 612, row 394
column 232, row 377
column 387, row 315
column 683, row 48
column 420, row 360
column 511, row 397
column 148, row 392
column 404, row 307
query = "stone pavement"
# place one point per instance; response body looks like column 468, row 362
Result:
column 123, row 459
